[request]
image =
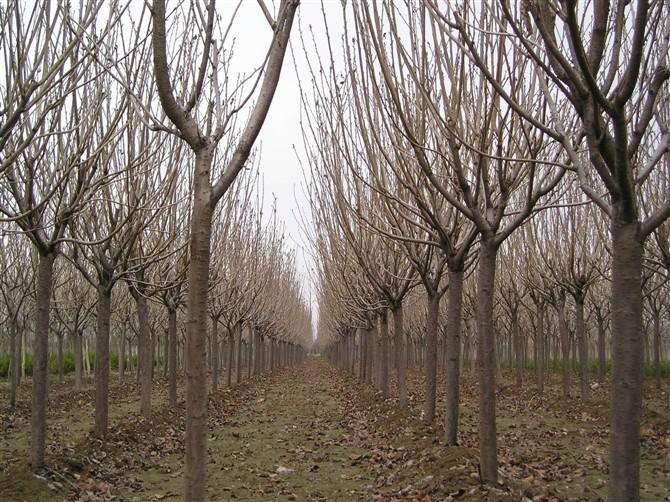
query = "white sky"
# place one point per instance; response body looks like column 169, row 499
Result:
column 281, row 136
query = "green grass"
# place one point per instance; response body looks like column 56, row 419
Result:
column 557, row 365
column 68, row 362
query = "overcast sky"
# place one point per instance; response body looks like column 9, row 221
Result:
column 281, row 136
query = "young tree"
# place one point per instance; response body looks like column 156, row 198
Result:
column 50, row 181
column 597, row 61
column 202, row 116
column 16, row 289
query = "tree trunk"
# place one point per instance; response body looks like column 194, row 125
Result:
column 362, row 340
column 172, row 356
column 453, row 342
column 399, row 342
column 215, row 354
column 238, row 378
column 104, row 313
column 166, row 354
column 488, row 464
column 250, row 354
column 580, row 335
column 370, row 349
column 145, row 353
column 195, row 472
column 43, row 290
column 231, row 352
column 384, row 353
column 565, row 346
column 433, row 305
column 22, row 351
column 657, row 348
column 15, row 363
column 602, row 356
column 122, row 355
column 78, row 359
column 87, row 358
column 539, row 340
column 518, row 349
column 61, row 370
column 627, row 348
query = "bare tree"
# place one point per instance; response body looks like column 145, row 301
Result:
column 215, row 116
column 16, row 288
column 597, row 62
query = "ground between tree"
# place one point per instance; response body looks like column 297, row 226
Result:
column 312, row 433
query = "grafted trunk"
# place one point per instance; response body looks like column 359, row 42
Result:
column 399, row 342
column 104, row 313
column 627, row 352
column 488, row 463
column 433, row 305
column 172, row 356
column 580, row 334
column 43, row 290
column 453, row 343
column 195, row 472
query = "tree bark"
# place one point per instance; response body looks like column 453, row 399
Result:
column 488, row 464
column 369, row 358
column 602, row 356
column 238, row 378
column 384, row 353
column 362, row 354
column 433, row 306
column 15, row 362
column 453, row 342
column 145, row 354
column 172, row 357
column 657, row 348
column 580, row 335
column 195, row 472
column 399, row 342
column 78, row 359
column 43, row 290
column 215, row 354
column 565, row 345
column 539, row 340
column 61, row 370
column 231, row 353
column 627, row 352
column 122, row 355
column 104, row 313
column 166, row 354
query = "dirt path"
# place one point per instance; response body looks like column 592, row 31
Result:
column 287, row 443
column 313, row 433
